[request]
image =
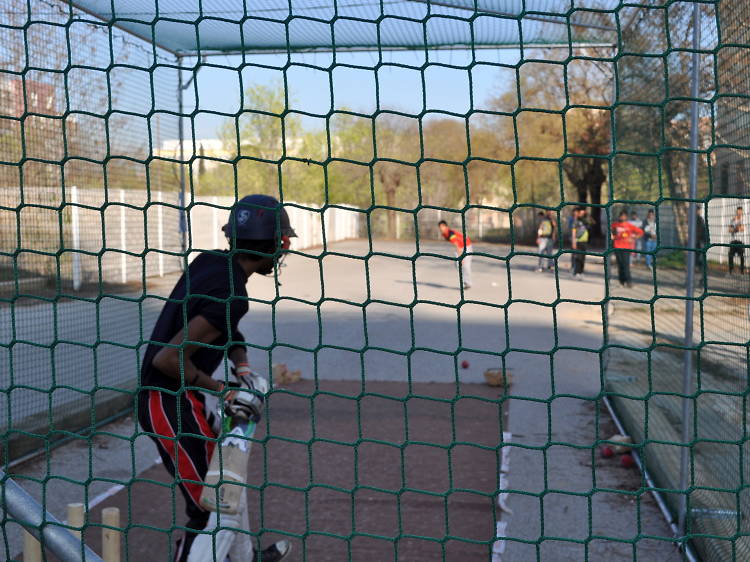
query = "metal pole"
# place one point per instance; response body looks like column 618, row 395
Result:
column 75, row 227
column 160, row 230
column 687, row 549
column 123, row 240
column 215, row 222
column 48, row 530
column 181, row 133
column 687, row 373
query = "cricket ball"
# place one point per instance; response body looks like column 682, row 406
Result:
column 607, row 452
column 464, row 364
column 627, row 461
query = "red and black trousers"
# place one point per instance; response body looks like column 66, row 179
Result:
column 181, row 428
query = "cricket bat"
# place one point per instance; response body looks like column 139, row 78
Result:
column 227, row 471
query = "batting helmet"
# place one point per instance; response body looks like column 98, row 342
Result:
column 258, row 217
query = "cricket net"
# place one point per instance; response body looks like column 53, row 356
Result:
column 109, row 184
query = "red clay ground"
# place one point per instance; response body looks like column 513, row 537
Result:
column 353, row 480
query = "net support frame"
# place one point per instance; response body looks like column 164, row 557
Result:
column 687, row 371
column 181, row 139
column 42, row 525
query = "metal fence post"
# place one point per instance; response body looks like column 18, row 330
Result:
column 687, row 373
column 37, row 522
column 75, row 228
column 123, row 240
column 181, row 134
column 215, row 221
column 160, row 230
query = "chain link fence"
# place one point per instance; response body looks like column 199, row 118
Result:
column 646, row 325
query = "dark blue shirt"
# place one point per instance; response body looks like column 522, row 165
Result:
column 214, row 287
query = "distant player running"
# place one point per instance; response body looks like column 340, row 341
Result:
column 204, row 309
column 464, row 251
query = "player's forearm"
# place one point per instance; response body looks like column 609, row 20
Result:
column 238, row 355
column 196, row 377
column 173, row 364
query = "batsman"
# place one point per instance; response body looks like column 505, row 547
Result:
column 196, row 333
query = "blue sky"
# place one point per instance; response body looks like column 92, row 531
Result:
column 314, row 88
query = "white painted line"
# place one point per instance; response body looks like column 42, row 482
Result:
column 104, row 495
column 502, row 497
column 498, row 547
column 505, row 452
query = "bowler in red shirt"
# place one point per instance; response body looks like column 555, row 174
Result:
column 464, row 250
column 624, row 235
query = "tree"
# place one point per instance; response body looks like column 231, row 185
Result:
column 657, row 124
column 588, row 128
column 529, row 135
column 580, row 93
column 398, row 150
column 349, row 172
column 258, row 139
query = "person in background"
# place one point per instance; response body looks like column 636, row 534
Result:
column 569, row 234
column 636, row 222
column 579, row 241
column 736, row 248
column 701, row 237
column 624, row 234
column 545, row 238
column 464, row 251
column 649, row 237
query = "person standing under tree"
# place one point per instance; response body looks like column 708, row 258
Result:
column 464, row 251
column 569, row 235
column 197, row 331
column 649, row 237
column 701, row 237
column 545, row 237
column 579, row 241
column 736, row 248
column 636, row 222
column 624, row 234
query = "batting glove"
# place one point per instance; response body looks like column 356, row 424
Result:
column 246, row 397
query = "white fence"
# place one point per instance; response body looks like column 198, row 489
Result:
column 87, row 235
column 207, row 215
column 118, row 236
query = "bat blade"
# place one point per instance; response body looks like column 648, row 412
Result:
column 227, row 472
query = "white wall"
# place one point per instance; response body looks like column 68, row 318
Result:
column 119, row 236
column 209, row 214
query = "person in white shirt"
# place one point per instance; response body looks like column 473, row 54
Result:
column 649, row 237
column 736, row 248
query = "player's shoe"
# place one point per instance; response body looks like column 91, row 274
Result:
column 274, row 553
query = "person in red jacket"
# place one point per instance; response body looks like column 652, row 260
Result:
column 624, row 235
column 464, row 250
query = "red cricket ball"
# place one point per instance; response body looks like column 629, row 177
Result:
column 607, row 452
column 464, row 364
column 627, row 461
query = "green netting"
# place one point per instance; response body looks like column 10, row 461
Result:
column 220, row 25
column 647, row 332
column 392, row 446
